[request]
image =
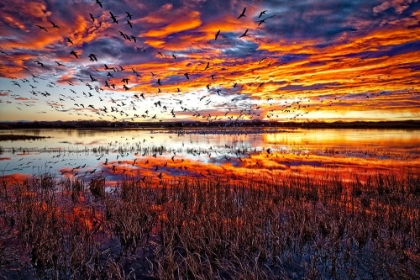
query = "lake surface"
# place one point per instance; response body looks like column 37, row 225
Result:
column 161, row 154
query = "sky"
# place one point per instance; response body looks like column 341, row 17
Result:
column 202, row 60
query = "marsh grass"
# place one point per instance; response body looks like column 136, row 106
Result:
column 287, row 227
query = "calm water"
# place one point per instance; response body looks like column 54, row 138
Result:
column 117, row 153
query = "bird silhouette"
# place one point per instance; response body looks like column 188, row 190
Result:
column 113, row 17
column 74, row 53
column 242, row 14
column 39, row 63
column 263, row 20
column 54, row 25
column 217, row 35
column 93, row 57
column 43, row 28
column 261, row 13
column 244, row 34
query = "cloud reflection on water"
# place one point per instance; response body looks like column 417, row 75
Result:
column 141, row 153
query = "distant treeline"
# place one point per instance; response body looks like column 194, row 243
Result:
column 413, row 124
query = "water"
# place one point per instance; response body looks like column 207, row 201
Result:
column 198, row 153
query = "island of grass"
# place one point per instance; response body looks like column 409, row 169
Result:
column 14, row 137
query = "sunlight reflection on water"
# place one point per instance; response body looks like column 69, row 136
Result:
column 87, row 152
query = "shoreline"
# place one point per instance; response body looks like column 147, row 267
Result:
column 256, row 125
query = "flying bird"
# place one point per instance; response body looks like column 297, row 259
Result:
column 92, row 17
column 42, row 27
column 93, row 57
column 263, row 20
column 113, row 17
column 124, row 35
column 129, row 23
column 263, row 12
column 187, row 76
column 217, row 35
column 39, row 63
column 128, row 15
column 54, row 25
column 207, row 66
column 242, row 14
column 74, row 53
column 262, row 59
column 245, row 34
column 99, row 3
column 69, row 40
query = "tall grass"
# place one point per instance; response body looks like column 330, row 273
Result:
column 211, row 228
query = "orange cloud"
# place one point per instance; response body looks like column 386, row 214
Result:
column 159, row 16
column 192, row 21
column 36, row 9
column 14, row 22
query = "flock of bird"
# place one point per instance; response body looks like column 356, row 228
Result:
column 110, row 93
column 130, row 156
column 105, row 97
column 143, row 159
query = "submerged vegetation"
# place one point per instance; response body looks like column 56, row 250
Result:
column 211, row 228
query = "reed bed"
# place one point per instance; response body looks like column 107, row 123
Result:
column 281, row 227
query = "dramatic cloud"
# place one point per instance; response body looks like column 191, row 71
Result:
column 201, row 60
